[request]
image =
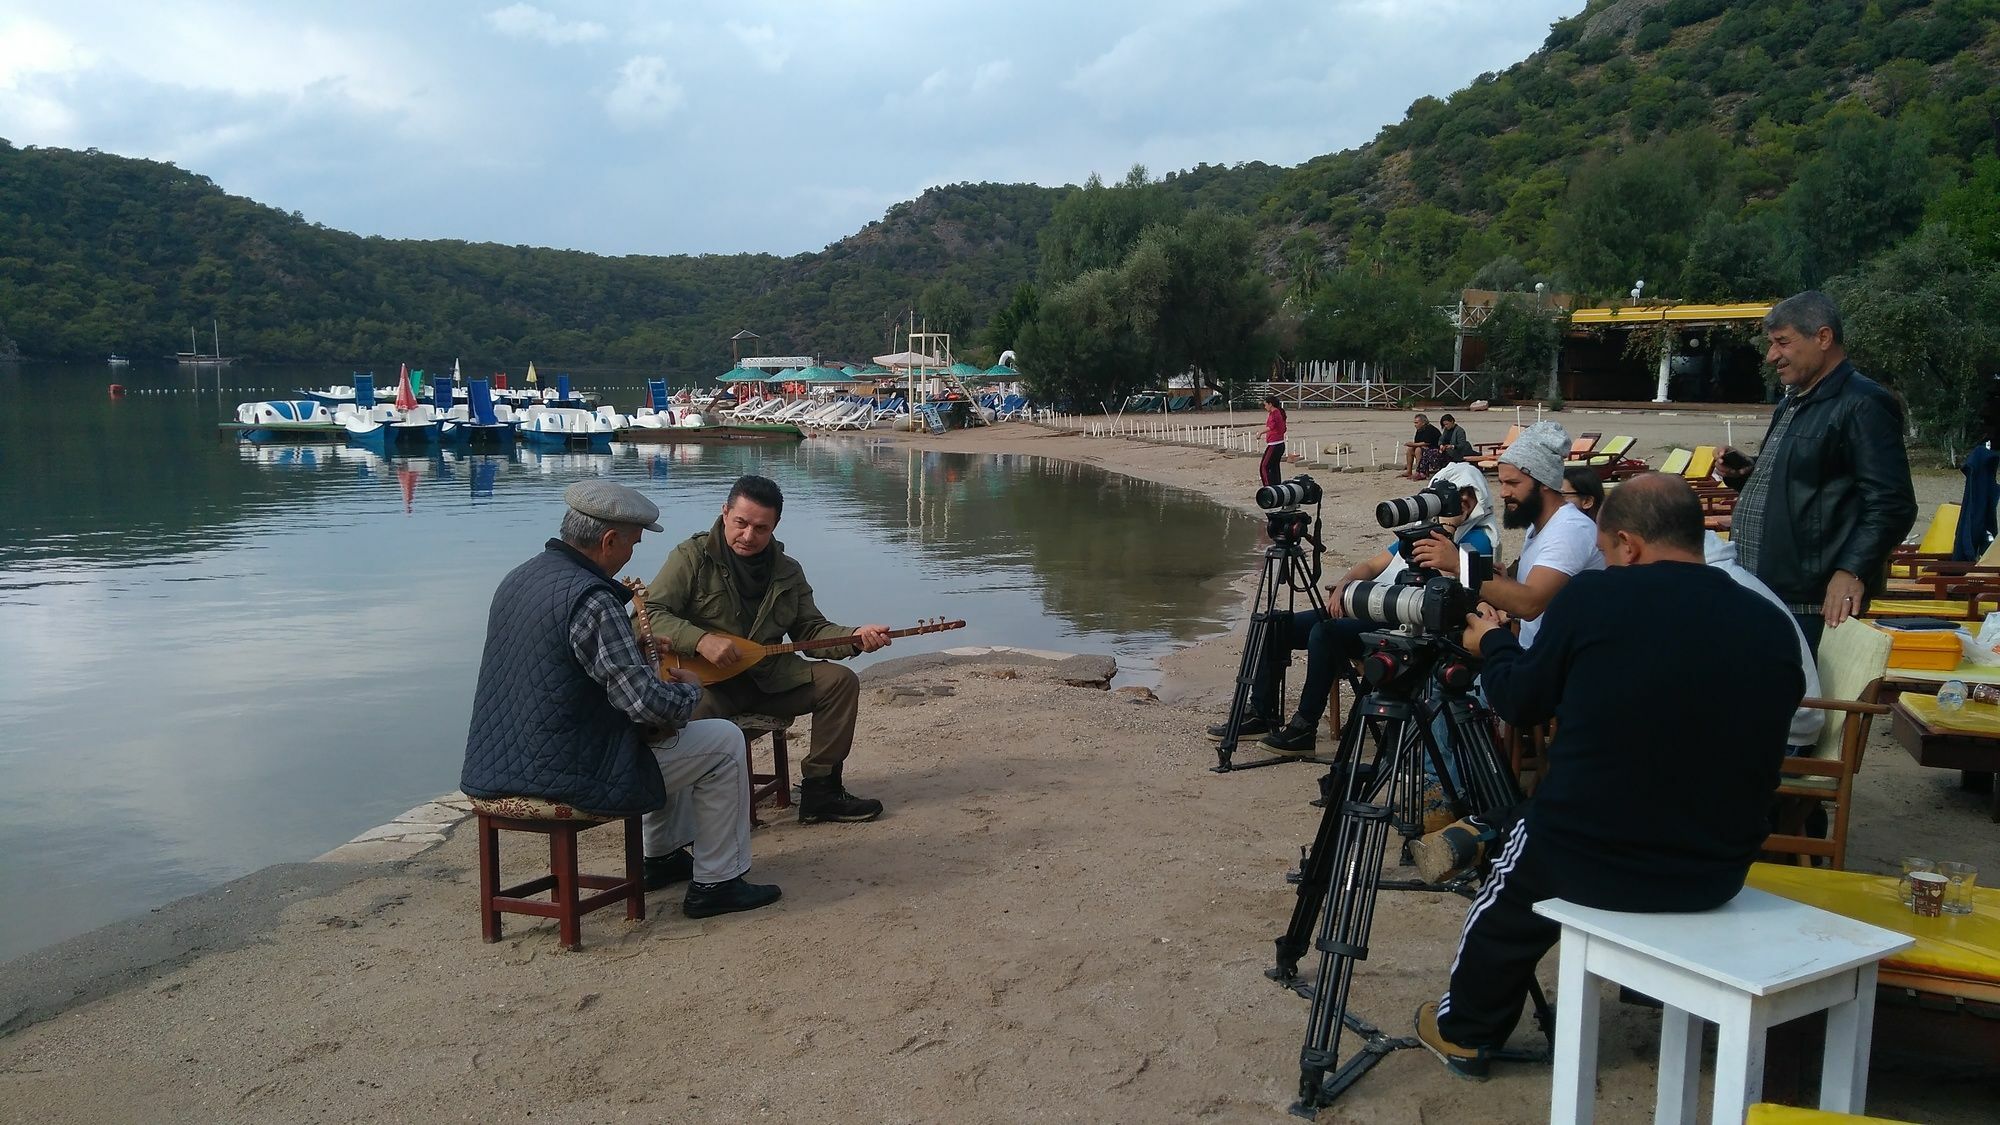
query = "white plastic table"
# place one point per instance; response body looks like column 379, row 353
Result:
column 1756, row 961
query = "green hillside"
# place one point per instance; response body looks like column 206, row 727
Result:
column 1715, row 149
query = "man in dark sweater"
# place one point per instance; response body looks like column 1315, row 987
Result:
column 1673, row 688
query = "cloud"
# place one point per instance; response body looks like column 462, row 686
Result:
column 525, row 21
column 30, row 48
column 644, row 94
column 761, row 40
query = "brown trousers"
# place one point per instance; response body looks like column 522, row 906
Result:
column 833, row 699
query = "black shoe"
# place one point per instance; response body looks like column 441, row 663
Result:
column 1250, row 726
column 706, row 900
column 824, row 798
column 1292, row 740
column 666, row 870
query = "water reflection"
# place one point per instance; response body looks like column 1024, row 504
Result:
column 218, row 656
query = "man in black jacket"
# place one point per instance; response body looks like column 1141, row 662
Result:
column 569, row 710
column 1664, row 814
column 1830, row 492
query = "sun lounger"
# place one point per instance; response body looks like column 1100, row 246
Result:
column 1934, row 547
column 1677, row 462
column 1701, row 463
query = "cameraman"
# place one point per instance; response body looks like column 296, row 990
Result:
column 1331, row 641
column 1666, row 754
column 1561, row 542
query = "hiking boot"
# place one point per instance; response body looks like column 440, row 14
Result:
column 1465, row 1062
column 1293, row 739
column 666, row 870
column 1449, row 852
column 1251, row 726
column 824, row 798
column 706, row 900
column 1438, row 813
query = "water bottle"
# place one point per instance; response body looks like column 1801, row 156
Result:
column 1951, row 696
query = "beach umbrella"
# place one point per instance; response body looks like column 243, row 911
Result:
column 531, row 373
column 417, row 382
column 1002, row 370
column 963, row 369
column 406, row 399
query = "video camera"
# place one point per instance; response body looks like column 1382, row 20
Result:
column 1283, row 505
column 1420, row 599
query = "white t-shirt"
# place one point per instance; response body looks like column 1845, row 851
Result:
column 1567, row 544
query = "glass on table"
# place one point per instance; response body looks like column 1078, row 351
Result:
column 1960, row 878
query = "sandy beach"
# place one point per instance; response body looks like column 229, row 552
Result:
column 1063, row 917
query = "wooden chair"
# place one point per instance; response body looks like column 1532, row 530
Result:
column 1935, row 579
column 776, row 784
column 1934, row 547
column 561, row 824
column 1852, row 661
column 1527, row 750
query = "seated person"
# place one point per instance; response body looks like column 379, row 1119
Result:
column 1584, row 490
column 1331, row 641
column 568, row 709
column 1426, row 441
column 736, row 579
column 1672, row 687
column 1454, row 442
column 1561, row 540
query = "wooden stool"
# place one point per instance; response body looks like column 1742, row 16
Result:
column 1755, row 961
column 561, row 824
column 778, row 783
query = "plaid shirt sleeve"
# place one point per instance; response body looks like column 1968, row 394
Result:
column 601, row 636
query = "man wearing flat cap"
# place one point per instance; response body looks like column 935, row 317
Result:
column 568, row 709
column 1561, row 542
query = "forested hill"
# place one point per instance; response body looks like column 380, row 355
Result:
column 1716, row 149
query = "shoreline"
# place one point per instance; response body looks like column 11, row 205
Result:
column 1063, row 915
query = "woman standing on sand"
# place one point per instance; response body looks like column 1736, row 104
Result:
column 1274, row 439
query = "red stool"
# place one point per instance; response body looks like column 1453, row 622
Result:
column 561, row 824
column 777, row 784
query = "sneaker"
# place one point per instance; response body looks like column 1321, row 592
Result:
column 1448, row 852
column 666, row 870
column 1250, row 726
column 1292, row 740
column 1465, row 1062
column 706, row 900
column 824, row 798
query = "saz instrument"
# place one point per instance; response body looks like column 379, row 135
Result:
column 749, row 652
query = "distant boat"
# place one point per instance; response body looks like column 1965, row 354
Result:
column 193, row 357
column 118, row 361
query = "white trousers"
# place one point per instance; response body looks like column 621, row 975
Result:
column 708, row 800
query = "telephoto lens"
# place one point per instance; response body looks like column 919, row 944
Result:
column 1385, row 604
column 1440, row 499
column 1288, row 494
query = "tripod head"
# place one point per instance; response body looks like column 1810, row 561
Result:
column 1399, row 664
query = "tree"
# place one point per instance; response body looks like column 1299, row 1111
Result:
column 1196, row 298
column 1628, row 215
column 1739, row 260
column 1386, row 319
column 1003, row 332
column 1924, row 317
column 1522, row 340
column 1095, row 227
column 1973, row 208
column 946, row 306
column 1861, row 192
column 1080, row 347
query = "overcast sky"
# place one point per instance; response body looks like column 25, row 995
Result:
column 699, row 127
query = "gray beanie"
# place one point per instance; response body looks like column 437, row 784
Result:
column 1539, row 452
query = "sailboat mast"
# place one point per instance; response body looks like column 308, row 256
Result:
column 216, row 327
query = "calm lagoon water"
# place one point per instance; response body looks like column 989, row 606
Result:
column 216, row 657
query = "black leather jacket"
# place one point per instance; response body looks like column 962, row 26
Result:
column 1840, row 494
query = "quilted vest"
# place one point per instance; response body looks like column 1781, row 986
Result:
column 541, row 726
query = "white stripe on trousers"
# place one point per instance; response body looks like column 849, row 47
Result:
column 1487, row 895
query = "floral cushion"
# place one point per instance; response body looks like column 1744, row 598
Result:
column 534, row 808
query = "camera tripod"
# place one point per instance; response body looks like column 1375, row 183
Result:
column 1285, row 569
column 1415, row 687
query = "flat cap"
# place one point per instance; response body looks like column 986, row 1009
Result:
column 613, row 503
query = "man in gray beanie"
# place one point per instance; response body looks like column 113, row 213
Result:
column 1561, row 542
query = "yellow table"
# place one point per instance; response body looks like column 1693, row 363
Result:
column 1966, row 672
column 1966, row 740
column 1955, row 954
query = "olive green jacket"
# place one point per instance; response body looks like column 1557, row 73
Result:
column 695, row 594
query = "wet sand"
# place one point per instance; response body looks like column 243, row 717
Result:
column 1064, row 916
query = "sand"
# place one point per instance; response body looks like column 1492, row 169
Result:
column 1064, row 916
